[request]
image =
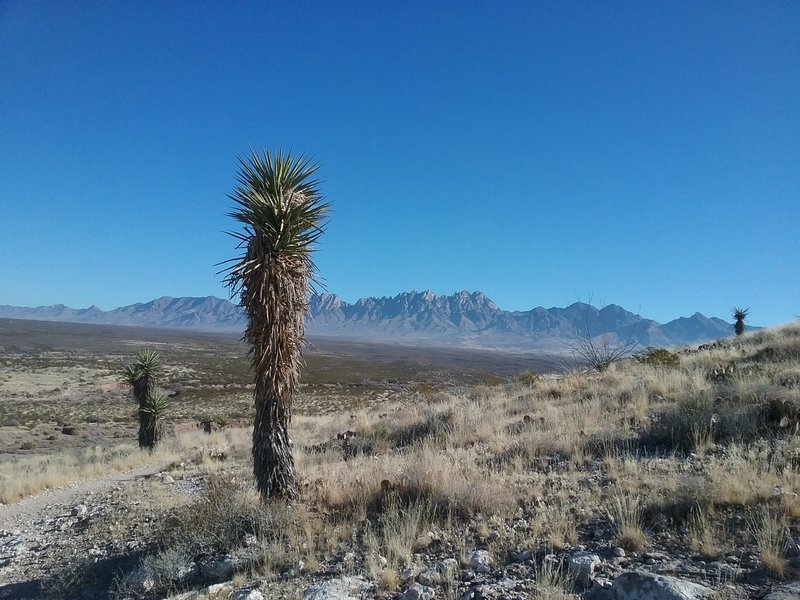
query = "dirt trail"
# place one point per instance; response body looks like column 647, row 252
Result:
column 36, row 508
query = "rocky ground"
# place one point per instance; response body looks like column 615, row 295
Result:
column 88, row 540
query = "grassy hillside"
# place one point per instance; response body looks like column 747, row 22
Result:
column 684, row 464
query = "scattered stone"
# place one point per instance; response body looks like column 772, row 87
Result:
column 140, row 581
column 582, row 565
column 438, row 572
column 618, row 552
column 341, row 588
column 217, row 569
column 418, row 592
column 787, row 591
column 507, row 583
column 641, row 585
column 192, row 595
column 480, row 561
column 247, row 594
column 521, row 556
column 219, row 588
column 80, row 511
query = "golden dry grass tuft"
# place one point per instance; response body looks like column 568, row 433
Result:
column 25, row 476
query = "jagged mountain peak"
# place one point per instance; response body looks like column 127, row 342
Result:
column 464, row 317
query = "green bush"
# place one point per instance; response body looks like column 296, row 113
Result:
column 529, row 377
column 660, row 357
column 699, row 419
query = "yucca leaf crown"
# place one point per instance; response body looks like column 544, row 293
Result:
column 279, row 203
column 740, row 313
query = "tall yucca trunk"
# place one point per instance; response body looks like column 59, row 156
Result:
column 276, row 307
column 148, row 430
column 273, row 462
column 738, row 327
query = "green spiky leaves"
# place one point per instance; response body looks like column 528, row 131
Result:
column 739, row 314
column 156, row 404
column 282, row 210
column 142, row 375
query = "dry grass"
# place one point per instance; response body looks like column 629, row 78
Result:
column 22, row 477
column 626, row 513
column 768, row 528
column 553, row 581
column 631, row 452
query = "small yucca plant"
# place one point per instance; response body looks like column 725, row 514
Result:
column 739, row 314
column 142, row 376
column 151, row 414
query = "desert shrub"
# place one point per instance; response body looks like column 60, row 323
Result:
column 167, row 571
column 219, row 520
column 698, row 420
column 529, row 377
column 431, row 425
column 600, row 352
column 492, row 380
column 659, row 357
column 722, row 374
column 789, row 350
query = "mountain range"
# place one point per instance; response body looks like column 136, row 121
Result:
column 464, row 319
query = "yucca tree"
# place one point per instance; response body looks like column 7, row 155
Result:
column 142, row 376
column 739, row 314
column 283, row 213
column 154, row 407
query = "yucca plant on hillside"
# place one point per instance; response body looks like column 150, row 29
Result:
column 739, row 314
column 283, row 213
column 154, row 407
column 142, row 376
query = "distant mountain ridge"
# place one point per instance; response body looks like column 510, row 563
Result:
column 463, row 318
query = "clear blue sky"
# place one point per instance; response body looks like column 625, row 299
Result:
column 642, row 153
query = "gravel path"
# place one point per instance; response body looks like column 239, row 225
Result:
column 39, row 507
column 41, row 536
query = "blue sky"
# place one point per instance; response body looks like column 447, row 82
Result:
column 644, row 153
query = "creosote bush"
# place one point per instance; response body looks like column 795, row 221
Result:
column 529, row 377
column 660, row 357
